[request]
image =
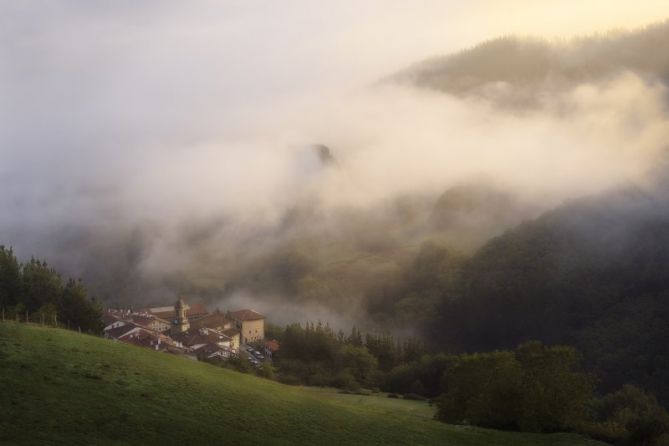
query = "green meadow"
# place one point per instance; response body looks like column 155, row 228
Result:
column 62, row 387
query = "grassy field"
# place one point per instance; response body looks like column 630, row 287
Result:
column 60, row 387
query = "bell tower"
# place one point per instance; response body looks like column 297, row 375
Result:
column 180, row 323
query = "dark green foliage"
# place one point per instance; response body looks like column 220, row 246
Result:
column 629, row 416
column 37, row 291
column 592, row 274
column 415, row 294
column 556, row 392
column 315, row 355
column 483, row 389
column 534, row 388
column 318, row 356
column 422, row 377
column 10, row 278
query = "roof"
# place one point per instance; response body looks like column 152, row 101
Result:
column 109, row 318
column 121, row 331
column 213, row 320
column 195, row 310
column 202, row 336
column 145, row 320
column 272, row 345
column 231, row 332
column 210, row 350
column 246, row 315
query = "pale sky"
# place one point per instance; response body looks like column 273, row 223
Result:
column 166, row 101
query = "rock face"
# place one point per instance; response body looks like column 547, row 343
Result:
column 324, row 154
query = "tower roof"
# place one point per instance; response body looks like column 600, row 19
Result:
column 181, row 304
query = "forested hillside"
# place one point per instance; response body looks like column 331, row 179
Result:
column 592, row 274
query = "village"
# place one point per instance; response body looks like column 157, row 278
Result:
column 193, row 331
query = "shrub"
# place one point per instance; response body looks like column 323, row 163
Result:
column 629, row 416
column 535, row 388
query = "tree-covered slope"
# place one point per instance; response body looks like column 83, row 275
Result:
column 592, row 274
column 61, row 387
column 527, row 63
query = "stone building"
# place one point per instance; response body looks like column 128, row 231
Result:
column 250, row 324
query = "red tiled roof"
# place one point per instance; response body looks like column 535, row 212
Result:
column 147, row 319
column 213, row 320
column 196, row 310
column 195, row 337
column 231, row 332
column 246, row 315
column 272, row 345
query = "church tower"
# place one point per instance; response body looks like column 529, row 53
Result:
column 180, row 323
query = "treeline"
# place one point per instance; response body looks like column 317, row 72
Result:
column 537, row 388
column 592, row 274
column 35, row 292
column 534, row 388
column 315, row 354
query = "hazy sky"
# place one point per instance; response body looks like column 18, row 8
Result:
column 120, row 110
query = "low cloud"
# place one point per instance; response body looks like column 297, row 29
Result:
column 150, row 164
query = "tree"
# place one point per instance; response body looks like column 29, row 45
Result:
column 40, row 285
column 556, row 394
column 10, row 280
column 535, row 388
column 361, row 364
column 629, row 416
column 77, row 311
column 483, row 389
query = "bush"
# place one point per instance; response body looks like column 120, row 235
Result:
column 535, row 388
column 345, row 380
column 629, row 416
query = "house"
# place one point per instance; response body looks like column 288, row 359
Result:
column 215, row 320
column 111, row 320
column 251, row 325
column 121, row 331
column 219, row 322
column 195, row 311
column 150, row 321
column 197, row 338
column 213, row 351
column 271, row 347
column 180, row 330
column 233, row 334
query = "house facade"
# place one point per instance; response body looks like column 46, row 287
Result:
column 251, row 325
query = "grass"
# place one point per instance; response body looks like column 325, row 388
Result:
column 61, row 387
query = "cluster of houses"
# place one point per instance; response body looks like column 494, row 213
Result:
column 192, row 331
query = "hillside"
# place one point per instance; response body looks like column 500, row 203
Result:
column 60, row 387
column 591, row 273
column 527, row 63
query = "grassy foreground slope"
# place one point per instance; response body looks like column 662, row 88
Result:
column 61, row 387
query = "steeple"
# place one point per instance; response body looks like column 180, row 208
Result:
column 180, row 323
